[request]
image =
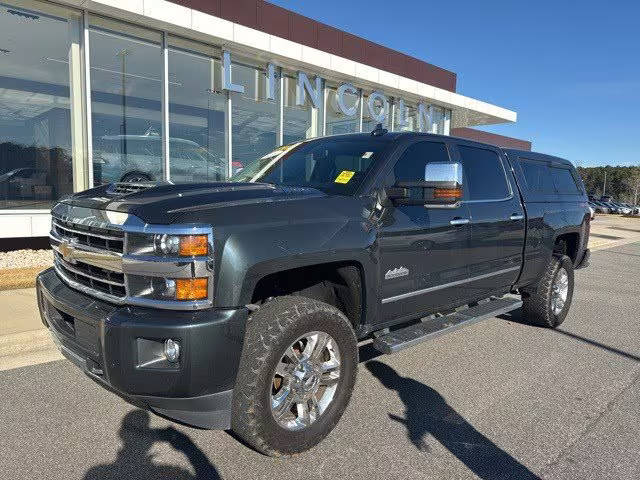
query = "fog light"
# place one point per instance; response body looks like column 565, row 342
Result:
column 171, row 350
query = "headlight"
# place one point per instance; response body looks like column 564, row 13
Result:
column 183, row 245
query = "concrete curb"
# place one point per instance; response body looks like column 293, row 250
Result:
column 27, row 348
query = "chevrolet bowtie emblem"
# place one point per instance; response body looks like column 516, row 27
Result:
column 67, row 251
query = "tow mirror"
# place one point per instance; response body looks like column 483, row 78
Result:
column 441, row 187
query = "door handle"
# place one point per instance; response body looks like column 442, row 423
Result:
column 516, row 216
column 459, row 221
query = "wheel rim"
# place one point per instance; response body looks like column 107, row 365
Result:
column 559, row 291
column 305, row 380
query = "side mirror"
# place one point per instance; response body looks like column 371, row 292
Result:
column 441, row 187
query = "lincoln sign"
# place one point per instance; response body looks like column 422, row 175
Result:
column 377, row 102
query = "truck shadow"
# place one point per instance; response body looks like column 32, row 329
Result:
column 134, row 459
column 516, row 316
column 427, row 413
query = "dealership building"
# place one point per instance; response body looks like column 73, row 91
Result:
column 192, row 90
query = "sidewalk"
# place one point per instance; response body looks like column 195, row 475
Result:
column 24, row 340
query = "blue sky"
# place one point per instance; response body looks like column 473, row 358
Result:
column 570, row 69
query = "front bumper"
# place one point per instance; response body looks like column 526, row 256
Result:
column 108, row 342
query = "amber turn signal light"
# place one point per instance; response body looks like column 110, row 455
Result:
column 450, row 193
column 193, row 245
column 192, row 288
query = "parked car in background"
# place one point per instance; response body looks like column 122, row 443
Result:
column 600, row 207
column 137, row 158
column 592, row 211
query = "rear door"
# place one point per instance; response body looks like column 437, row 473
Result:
column 497, row 219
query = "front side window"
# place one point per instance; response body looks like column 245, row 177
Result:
column 484, row 174
column 411, row 166
column 330, row 165
column 35, row 118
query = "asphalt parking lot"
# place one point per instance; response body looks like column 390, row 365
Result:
column 496, row 400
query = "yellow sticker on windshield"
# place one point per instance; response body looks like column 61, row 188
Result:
column 344, row 176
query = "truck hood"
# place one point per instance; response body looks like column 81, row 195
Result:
column 166, row 203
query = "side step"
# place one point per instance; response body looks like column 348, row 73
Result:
column 432, row 327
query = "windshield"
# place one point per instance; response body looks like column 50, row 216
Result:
column 333, row 165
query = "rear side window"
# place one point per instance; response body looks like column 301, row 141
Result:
column 538, row 176
column 484, row 174
column 564, row 181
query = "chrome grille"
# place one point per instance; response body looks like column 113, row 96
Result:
column 100, row 238
column 96, row 278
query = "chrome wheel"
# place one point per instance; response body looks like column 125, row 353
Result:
column 305, row 380
column 559, row 291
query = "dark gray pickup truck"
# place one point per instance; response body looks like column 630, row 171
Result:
column 239, row 305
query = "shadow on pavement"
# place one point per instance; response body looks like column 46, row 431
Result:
column 134, row 460
column 427, row 413
column 516, row 316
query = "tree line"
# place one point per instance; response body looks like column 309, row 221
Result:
column 622, row 183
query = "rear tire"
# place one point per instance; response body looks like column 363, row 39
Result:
column 547, row 304
column 270, row 341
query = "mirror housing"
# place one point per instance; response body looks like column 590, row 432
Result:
column 441, row 188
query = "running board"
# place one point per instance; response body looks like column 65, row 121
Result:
column 430, row 328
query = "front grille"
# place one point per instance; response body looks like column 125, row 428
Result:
column 103, row 239
column 96, row 278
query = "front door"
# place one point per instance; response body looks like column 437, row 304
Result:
column 423, row 251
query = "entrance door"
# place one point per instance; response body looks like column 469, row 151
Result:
column 423, row 251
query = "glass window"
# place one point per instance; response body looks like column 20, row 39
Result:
column 483, row 173
column 255, row 118
column 537, row 175
column 411, row 119
column 35, row 119
column 411, row 165
column 437, row 125
column 564, row 182
column 337, row 121
column 368, row 124
column 126, row 92
column 331, row 165
column 300, row 121
column 196, row 118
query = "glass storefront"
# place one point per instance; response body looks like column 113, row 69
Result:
column 126, row 91
column 45, row 137
column 300, row 121
column 196, row 117
column 255, row 118
column 35, row 118
column 337, row 121
column 380, row 108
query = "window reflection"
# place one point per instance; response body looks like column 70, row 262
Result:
column 337, row 122
column 300, row 121
column 196, row 118
column 368, row 124
column 126, row 89
column 255, row 118
column 35, row 121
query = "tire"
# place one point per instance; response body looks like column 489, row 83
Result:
column 270, row 332
column 135, row 177
column 538, row 303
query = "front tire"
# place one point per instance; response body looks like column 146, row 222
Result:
column 297, row 371
column 547, row 304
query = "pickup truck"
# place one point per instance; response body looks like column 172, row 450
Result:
column 239, row 305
